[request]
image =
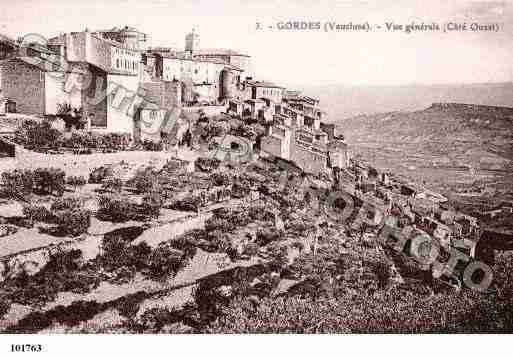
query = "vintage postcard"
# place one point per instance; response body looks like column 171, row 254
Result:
column 255, row 167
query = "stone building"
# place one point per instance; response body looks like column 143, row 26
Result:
column 264, row 90
column 295, row 134
column 129, row 36
column 210, row 80
column 37, row 87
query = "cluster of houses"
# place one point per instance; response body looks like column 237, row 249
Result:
column 122, row 85
column 425, row 209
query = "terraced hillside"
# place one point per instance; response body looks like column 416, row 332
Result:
column 455, row 149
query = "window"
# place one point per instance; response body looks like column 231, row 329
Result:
column 117, row 63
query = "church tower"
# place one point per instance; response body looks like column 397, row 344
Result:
column 191, row 42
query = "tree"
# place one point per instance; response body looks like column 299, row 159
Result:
column 72, row 116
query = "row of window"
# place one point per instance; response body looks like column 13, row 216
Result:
column 271, row 92
column 126, row 65
column 124, row 52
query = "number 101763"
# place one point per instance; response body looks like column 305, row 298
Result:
column 26, row 348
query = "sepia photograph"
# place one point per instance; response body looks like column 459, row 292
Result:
column 254, row 167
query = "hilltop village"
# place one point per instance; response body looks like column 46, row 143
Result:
column 121, row 85
column 117, row 213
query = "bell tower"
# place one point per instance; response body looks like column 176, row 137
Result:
column 191, row 42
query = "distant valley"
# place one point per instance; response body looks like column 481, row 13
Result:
column 456, row 151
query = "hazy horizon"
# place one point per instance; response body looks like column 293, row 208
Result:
column 376, row 58
column 341, row 102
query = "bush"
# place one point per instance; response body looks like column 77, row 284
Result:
column 80, row 140
column 188, row 204
column 266, row 236
column 99, row 174
column 62, row 204
column 233, row 216
column 72, row 222
column 49, row 181
column 206, row 164
column 118, row 253
column 145, row 180
column 240, row 190
column 112, row 184
column 152, row 203
column 220, row 224
column 76, row 181
column 64, row 272
column 149, row 145
column 18, row 183
column 278, row 256
column 260, row 213
column 117, row 209
column 298, row 226
column 251, row 249
column 220, row 179
column 165, row 261
column 35, row 135
column 38, row 213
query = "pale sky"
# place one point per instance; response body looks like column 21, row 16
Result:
column 303, row 57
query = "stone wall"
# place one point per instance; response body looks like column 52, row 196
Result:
column 310, row 161
column 95, row 98
column 271, row 146
column 24, row 84
column 164, row 94
column 119, row 118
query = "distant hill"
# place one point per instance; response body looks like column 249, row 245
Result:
column 347, row 101
column 447, row 146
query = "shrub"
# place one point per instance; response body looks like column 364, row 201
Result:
column 298, row 226
column 113, row 184
column 206, row 164
column 63, row 272
column 188, row 242
column 100, row 173
column 145, row 180
column 165, row 261
column 76, row 181
column 117, row 209
column 220, row 224
column 18, row 183
column 38, row 213
column 188, row 204
column 72, row 222
column 149, row 145
column 35, row 135
column 235, row 217
column 49, row 181
column 251, row 249
column 152, row 203
column 266, row 236
column 62, row 204
column 220, row 179
column 240, row 190
column 260, row 213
